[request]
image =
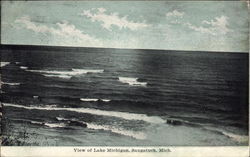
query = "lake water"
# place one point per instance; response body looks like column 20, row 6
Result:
column 122, row 97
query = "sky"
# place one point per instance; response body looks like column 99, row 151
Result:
column 168, row 25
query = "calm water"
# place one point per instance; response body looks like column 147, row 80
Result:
column 98, row 97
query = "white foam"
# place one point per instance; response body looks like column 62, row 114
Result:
column 238, row 138
column 136, row 135
column 132, row 81
column 93, row 99
column 35, row 97
column 87, row 99
column 60, row 118
column 106, row 100
column 65, row 74
column 17, row 62
column 23, row 67
column 51, row 125
column 72, row 73
column 85, row 71
column 4, row 64
column 55, row 125
column 123, row 115
column 11, row 84
column 59, row 76
column 52, row 72
column 35, row 122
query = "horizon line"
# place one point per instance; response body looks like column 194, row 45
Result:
column 66, row 46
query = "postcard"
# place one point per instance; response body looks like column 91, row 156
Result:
column 125, row 78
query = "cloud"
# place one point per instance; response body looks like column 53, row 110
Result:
column 63, row 32
column 217, row 26
column 32, row 26
column 175, row 13
column 113, row 19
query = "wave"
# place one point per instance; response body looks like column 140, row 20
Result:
column 60, row 118
column 136, row 135
column 132, row 81
column 23, row 67
column 55, row 125
column 72, row 72
column 4, row 64
column 35, row 122
column 72, row 122
column 235, row 137
column 11, row 84
column 35, row 96
column 65, row 74
column 88, row 99
column 59, row 76
column 85, row 99
column 51, row 125
column 86, row 71
column 117, row 114
column 106, row 100
column 178, row 121
column 53, row 73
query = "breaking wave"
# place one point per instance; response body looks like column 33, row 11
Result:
column 235, row 137
column 51, row 125
column 132, row 81
column 23, row 67
column 65, row 74
column 11, row 84
column 89, row 100
column 59, row 76
column 106, row 100
column 55, row 125
column 122, row 115
column 134, row 134
column 86, row 71
column 85, row 99
column 4, row 64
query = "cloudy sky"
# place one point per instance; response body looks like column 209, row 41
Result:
column 206, row 26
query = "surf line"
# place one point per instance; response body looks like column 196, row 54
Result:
column 121, row 131
column 117, row 114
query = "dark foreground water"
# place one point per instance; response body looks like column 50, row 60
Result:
column 111, row 97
